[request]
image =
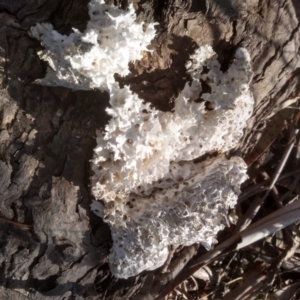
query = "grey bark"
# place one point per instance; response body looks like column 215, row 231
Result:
column 47, row 134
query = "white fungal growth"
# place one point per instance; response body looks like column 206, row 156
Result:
column 140, row 142
column 153, row 194
column 190, row 207
column 88, row 60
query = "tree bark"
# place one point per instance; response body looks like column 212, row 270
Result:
column 51, row 245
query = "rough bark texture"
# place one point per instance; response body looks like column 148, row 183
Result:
column 47, row 134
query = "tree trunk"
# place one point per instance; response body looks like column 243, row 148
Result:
column 51, row 245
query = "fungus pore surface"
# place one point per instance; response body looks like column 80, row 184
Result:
column 152, row 193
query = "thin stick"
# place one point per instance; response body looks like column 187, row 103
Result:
column 273, row 222
column 24, row 226
column 262, row 186
column 255, row 206
column 285, row 157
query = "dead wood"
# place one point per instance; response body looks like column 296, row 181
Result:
column 47, row 133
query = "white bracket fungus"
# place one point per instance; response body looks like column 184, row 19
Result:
column 153, row 194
